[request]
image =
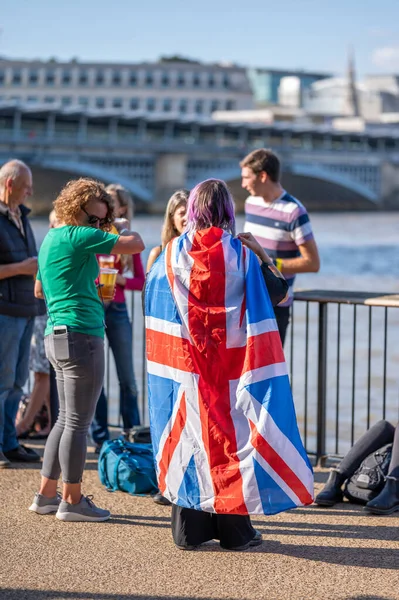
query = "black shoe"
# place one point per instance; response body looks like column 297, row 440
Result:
column 22, row 454
column 387, row 501
column 256, row 541
column 186, row 547
column 331, row 493
column 4, row 462
column 159, row 499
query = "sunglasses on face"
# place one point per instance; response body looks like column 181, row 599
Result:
column 93, row 219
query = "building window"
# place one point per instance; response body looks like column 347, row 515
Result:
column 230, row 104
column 199, row 107
column 31, row 99
column 33, row 77
column 211, row 81
column 50, row 78
column 149, row 80
column 165, row 80
column 214, row 105
column 100, row 102
column 16, row 77
column 133, row 79
column 226, row 81
column 181, row 82
column 66, row 100
column 196, row 81
column 117, row 103
column 66, row 78
column 116, row 78
column 83, row 101
column 83, row 78
column 183, row 106
column 49, row 99
column 15, row 98
column 167, row 105
column 134, row 104
column 151, row 104
column 2, row 77
column 99, row 78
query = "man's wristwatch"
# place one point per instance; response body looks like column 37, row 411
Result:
column 123, row 231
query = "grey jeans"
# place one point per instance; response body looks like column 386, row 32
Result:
column 79, row 381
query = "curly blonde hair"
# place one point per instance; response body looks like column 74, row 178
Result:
column 76, row 194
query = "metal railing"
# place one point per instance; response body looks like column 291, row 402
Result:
column 343, row 361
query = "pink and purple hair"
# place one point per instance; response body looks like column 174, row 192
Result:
column 210, row 205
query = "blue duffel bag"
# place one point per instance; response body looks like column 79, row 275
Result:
column 127, row 467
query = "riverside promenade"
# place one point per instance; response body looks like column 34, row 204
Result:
column 308, row 554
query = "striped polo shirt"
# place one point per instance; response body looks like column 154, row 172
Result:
column 280, row 227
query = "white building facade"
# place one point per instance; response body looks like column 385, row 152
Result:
column 175, row 86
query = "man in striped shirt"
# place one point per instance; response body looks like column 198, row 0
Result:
column 279, row 222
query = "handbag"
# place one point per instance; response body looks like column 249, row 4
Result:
column 127, row 467
column 369, row 479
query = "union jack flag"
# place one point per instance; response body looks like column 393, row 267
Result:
column 223, row 423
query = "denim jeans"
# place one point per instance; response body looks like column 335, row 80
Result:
column 15, row 338
column 119, row 334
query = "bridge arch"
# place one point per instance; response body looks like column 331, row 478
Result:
column 105, row 174
column 318, row 187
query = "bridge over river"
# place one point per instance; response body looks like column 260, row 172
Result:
column 153, row 155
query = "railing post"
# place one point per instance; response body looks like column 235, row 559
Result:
column 322, row 384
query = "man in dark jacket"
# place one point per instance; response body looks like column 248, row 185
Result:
column 18, row 306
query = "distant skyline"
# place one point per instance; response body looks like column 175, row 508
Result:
column 313, row 35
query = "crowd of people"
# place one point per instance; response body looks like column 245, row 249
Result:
column 53, row 321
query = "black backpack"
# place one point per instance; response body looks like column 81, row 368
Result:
column 139, row 434
column 369, row 479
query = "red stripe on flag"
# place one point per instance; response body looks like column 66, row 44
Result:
column 169, row 350
column 169, row 270
column 279, row 465
column 263, row 350
column 171, row 442
column 216, row 365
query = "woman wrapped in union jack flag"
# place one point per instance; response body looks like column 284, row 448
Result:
column 223, row 424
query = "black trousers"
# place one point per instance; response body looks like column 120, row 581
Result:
column 282, row 314
column 193, row 527
column 378, row 435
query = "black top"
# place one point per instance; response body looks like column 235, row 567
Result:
column 16, row 293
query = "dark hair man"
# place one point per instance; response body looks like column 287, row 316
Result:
column 279, row 222
column 18, row 306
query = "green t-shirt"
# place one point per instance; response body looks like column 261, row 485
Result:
column 68, row 269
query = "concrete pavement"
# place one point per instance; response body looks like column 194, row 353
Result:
column 308, row 554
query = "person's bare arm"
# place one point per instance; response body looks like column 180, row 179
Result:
column 308, row 262
column 129, row 242
column 155, row 252
column 39, row 290
column 248, row 240
column 25, row 267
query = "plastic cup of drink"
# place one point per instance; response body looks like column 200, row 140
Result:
column 106, row 262
column 107, row 283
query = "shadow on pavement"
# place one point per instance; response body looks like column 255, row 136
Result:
column 360, row 532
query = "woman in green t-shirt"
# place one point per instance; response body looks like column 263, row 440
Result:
column 75, row 336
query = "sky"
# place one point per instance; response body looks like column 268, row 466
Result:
column 295, row 34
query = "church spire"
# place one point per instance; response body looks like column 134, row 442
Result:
column 353, row 100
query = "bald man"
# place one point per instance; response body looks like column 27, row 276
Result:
column 18, row 306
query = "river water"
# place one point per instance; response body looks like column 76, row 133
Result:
column 359, row 252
